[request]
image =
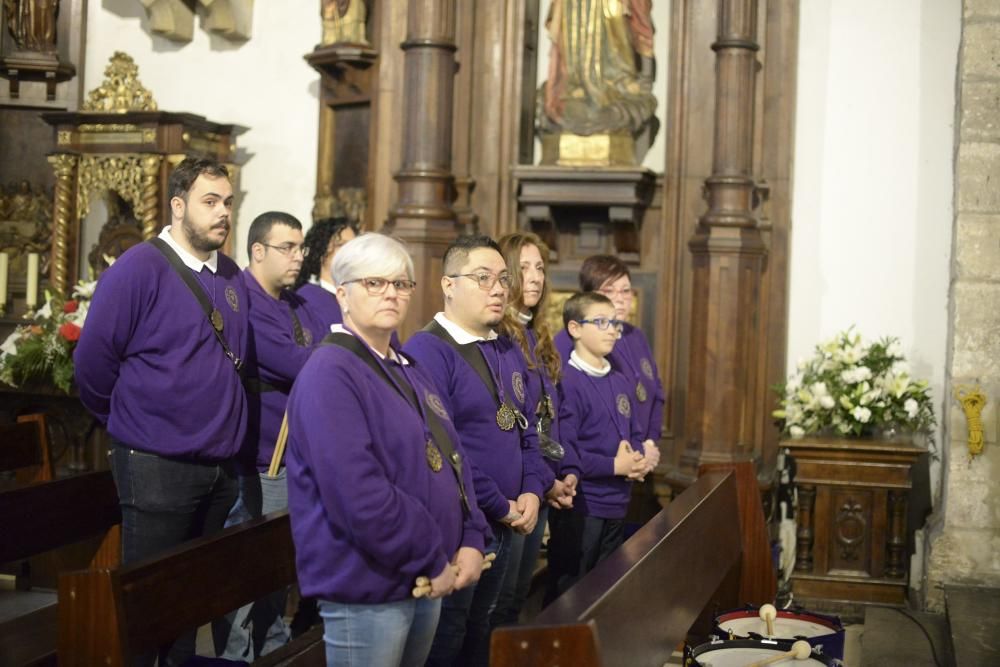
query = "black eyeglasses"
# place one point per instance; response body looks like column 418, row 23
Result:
column 378, row 286
column 485, row 279
column 603, row 323
column 289, row 249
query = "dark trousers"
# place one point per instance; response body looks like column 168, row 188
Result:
column 165, row 502
column 463, row 633
column 577, row 543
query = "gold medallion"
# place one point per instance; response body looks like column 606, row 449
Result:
column 640, row 392
column 217, row 322
column 506, row 418
column 433, row 457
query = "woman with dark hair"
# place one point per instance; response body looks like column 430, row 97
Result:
column 526, row 256
column 632, row 356
column 314, row 284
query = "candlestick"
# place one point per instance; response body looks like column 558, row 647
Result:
column 3, row 282
column 31, row 294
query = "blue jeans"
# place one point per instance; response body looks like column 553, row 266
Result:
column 165, row 502
column 463, row 634
column 392, row 634
column 524, row 550
column 258, row 628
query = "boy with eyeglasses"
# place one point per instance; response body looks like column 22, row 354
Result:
column 597, row 423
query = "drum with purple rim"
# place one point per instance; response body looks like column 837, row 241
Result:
column 824, row 633
column 743, row 652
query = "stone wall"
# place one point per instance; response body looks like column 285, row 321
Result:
column 964, row 544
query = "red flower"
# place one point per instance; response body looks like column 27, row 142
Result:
column 70, row 332
column 70, row 306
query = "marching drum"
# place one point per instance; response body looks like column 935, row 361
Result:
column 825, row 633
column 745, row 652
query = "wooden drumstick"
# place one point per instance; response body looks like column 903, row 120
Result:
column 423, row 584
column 800, row 651
column 767, row 614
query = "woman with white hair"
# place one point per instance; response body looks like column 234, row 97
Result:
column 380, row 496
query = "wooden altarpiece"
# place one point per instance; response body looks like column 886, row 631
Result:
column 120, row 142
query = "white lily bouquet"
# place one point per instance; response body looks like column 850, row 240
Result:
column 852, row 388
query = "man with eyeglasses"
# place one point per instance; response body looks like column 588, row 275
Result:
column 282, row 336
column 481, row 378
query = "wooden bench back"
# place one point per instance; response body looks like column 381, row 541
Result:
column 40, row 517
column 635, row 607
column 24, row 448
column 113, row 615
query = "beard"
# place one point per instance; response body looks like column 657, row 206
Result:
column 200, row 240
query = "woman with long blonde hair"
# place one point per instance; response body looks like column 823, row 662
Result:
column 524, row 321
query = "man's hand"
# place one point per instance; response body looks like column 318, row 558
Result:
column 527, row 505
column 468, row 563
column 444, row 583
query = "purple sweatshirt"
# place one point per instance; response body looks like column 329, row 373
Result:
column 505, row 464
column 149, row 366
column 595, row 415
column 322, row 306
column 274, row 359
column 368, row 513
column 634, row 359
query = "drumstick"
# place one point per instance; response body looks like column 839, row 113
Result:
column 423, row 584
column 767, row 614
column 279, row 447
column 800, row 651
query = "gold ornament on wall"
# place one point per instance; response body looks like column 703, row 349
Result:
column 973, row 401
column 121, row 90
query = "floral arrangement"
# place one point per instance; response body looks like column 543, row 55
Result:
column 852, row 388
column 42, row 350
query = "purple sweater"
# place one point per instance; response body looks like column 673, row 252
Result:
column 505, row 464
column 322, row 306
column 275, row 358
column 149, row 366
column 595, row 415
column 634, row 359
column 368, row 514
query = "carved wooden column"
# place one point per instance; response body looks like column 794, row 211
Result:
column 727, row 258
column 895, row 566
column 63, row 264
column 423, row 214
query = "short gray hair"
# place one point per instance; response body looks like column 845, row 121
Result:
column 371, row 255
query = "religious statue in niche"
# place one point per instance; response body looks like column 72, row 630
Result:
column 120, row 232
column 32, row 24
column 344, row 21
column 597, row 105
column 25, row 224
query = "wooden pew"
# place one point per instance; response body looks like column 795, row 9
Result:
column 638, row 605
column 24, row 449
column 81, row 511
column 116, row 614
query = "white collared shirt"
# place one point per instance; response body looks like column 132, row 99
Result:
column 190, row 260
column 329, row 287
column 579, row 364
column 461, row 336
column 402, row 361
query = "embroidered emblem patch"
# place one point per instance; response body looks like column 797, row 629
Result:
column 435, row 404
column 518, row 383
column 624, row 407
column 232, row 299
column 647, row 368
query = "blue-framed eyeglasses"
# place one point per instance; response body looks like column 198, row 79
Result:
column 603, row 323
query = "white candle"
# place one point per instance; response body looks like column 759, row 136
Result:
column 31, row 294
column 3, row 279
